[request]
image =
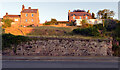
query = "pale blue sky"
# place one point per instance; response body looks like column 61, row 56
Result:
column 58, row 10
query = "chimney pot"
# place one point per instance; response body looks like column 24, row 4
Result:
column 29, row 7
column 6, row 13
column 69, row 11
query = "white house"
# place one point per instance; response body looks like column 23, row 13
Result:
column 90, row 21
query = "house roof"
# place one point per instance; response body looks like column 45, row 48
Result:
column 29, row 11
column 62, row 22
column 12, row 16
column 79, row 14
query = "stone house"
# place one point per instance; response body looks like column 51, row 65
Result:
column 28, row 17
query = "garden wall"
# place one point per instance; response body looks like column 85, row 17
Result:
column 64, row 47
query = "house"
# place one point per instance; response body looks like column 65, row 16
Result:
column 78, row 14
column 28, row 17
column 15, row 18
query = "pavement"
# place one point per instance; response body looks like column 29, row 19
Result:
column 59, row 62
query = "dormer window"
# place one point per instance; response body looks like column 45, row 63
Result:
column 26, row 15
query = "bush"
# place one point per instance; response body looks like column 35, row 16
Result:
column 91, row 31
column 47, row 23
column 7, row 23
column 9, row 39
column 116, row 50
column 110, row 24
column 117, row 30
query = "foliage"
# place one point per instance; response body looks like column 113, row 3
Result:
column 93, row 15
column 7, row 23
column 117, row 30
column 116, row 50
column 79, row 10
column 85, row 24
column 53, row 21
column 47, row 23
column 105, row 14
column 9, row 39
column 91, row 31
column 72, row 24
column 110, row 24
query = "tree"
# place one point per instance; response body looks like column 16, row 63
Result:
column 93, row 16
column 7, row 23
column 105, row 14
column 85, row 23
column 53, row 21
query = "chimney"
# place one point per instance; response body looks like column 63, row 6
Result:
column 69, row 11
column 23, row 7
column 88, row 11
column 29, row 7
column 6, row 13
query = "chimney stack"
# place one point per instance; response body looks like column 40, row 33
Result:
column 88, row 11
column 6, row 13
column 29, row 7
column 69, row 11
column 23, row 7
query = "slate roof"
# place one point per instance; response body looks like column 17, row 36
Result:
column 29, row 11
column 12, row 16
column 79, row 14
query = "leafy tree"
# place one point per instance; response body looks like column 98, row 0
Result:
column 91, row 31
column 93, row 16
column 105, row 14
column 85, row 23
column 7, row 23
column 53, row 21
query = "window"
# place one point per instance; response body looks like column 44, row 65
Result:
column 26, row 20
column 86, row 17
column 26, row 15
column 32, row 20
column 32, row 15
column 16, row 19
column 73, row 17
column 80, row 17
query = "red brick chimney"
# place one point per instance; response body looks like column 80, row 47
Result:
column 29, row 7
column 6, row 13
column 23, row 7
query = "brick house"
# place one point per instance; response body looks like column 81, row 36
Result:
column 79, row 14
column 15, row 18
column 28, row 17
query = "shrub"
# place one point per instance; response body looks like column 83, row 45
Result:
column 91, row 31
column 116, row 50
column 110, row 24
column 47, row 23
column 7, row 23
column 117, row 30
column 9, row 39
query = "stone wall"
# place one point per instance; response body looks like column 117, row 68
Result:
column 66, row 47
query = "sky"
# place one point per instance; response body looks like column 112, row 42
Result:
column 57, row 10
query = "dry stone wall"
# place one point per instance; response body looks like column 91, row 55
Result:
column 66, row 47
